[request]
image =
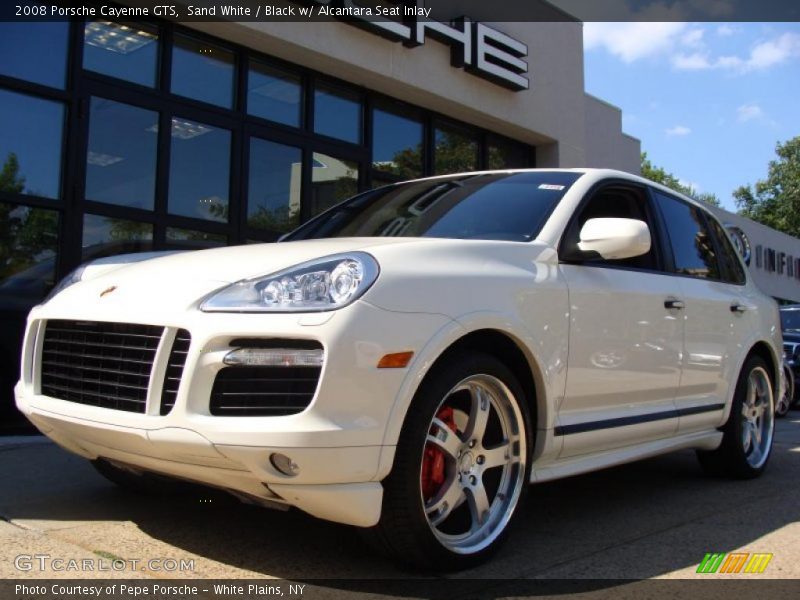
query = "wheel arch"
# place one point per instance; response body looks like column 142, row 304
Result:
column 492, row 338
column 765, row 351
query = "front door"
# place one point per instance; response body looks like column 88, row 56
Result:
column 625, row 339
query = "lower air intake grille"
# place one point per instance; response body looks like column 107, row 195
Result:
column 101, row 364
column 263, row 391
column 172, row 378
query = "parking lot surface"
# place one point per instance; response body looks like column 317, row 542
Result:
column 652, row 519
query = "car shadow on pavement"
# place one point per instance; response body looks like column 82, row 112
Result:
column 637, row 521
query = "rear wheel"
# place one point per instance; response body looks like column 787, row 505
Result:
column 461, row 467
column 785, row 402
column 747, row 434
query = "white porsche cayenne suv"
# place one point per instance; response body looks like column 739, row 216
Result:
column 410, row 360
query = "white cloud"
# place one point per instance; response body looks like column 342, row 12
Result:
column 726, row 30
column 749, row 112
column 677, row 131
column 632, row 41
column 762, row 56
column 696, row 61
column 693, row 37
column 685, row 45
column 775, row 51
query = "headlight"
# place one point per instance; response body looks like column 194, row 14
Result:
column 318, row 285
column 74, row 277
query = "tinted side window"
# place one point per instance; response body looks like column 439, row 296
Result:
column 732, row 270
column 692, row 247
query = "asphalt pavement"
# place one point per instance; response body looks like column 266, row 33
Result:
column 652, row 519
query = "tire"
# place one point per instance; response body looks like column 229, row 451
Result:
column 452, row 494
column 747, row 434
column 150, row 484
column 784, row 403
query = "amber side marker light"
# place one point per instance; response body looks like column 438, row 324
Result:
column 398, row 360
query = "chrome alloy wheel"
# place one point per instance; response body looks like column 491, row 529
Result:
column 758, row 422
column 784, row 403
column 473, row 465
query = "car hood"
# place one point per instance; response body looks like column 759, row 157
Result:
column 176, row 282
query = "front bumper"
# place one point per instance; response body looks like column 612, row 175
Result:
column 337, row 442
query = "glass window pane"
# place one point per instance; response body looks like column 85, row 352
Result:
column 27, row 255
column 396, row 144
column 35, row 51
column 105, row 236
column 692, row 246
column 273, row 201
column 455, row 151
column 31, row 132
column 202, row 71
column 504, row 154
column 121, row 162
column 337, row 114
column 732, row 270
column 129, row 52
column 333, row 180
column 274, row 94
column 188, row 238
column 199, row 170
column 487, row 207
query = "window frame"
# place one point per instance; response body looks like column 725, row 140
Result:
column 704, row 213
column 81, row 84
column 655, row 224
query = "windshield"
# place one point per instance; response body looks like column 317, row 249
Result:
column 494, row 206
column 790, row 320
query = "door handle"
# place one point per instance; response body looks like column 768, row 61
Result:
column 674, row 304
column 739, row 308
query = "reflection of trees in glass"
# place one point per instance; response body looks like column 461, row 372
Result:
column 497, row 158
column 704, row 246
column 280, row 219
column 406, row 163
column 10, row 179
column 129, row 230
column 346, row 186
column 454, row 152
column 27, row 235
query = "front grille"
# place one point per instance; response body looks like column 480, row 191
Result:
column 263, row 391
column 172, row 378
column 97, row 363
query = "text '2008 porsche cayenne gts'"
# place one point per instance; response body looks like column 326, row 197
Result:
column 410, row 360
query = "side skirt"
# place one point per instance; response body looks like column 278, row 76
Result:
column 575, row 465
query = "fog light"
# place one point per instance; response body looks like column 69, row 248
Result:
column 284, row 464
column 274, row 357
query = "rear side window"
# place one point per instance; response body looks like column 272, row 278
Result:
column 732, row 270
column 693, row 248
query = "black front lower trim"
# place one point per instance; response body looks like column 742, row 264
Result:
column 635, row 419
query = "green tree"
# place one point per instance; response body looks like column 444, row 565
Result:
column 659, row 175
column 27, row 235
column 10, row 179
column 775, row 201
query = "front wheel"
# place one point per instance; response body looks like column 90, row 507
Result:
column 747, row 434
column 461, row 467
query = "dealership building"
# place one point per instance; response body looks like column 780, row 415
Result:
column 155, row 135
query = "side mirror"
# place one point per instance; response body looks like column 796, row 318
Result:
column 615, row 239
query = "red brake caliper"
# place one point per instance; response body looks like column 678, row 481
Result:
column 433, row 471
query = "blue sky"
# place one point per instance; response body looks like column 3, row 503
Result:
column 709, row 101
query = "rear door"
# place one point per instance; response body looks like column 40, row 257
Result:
column 717, row 314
